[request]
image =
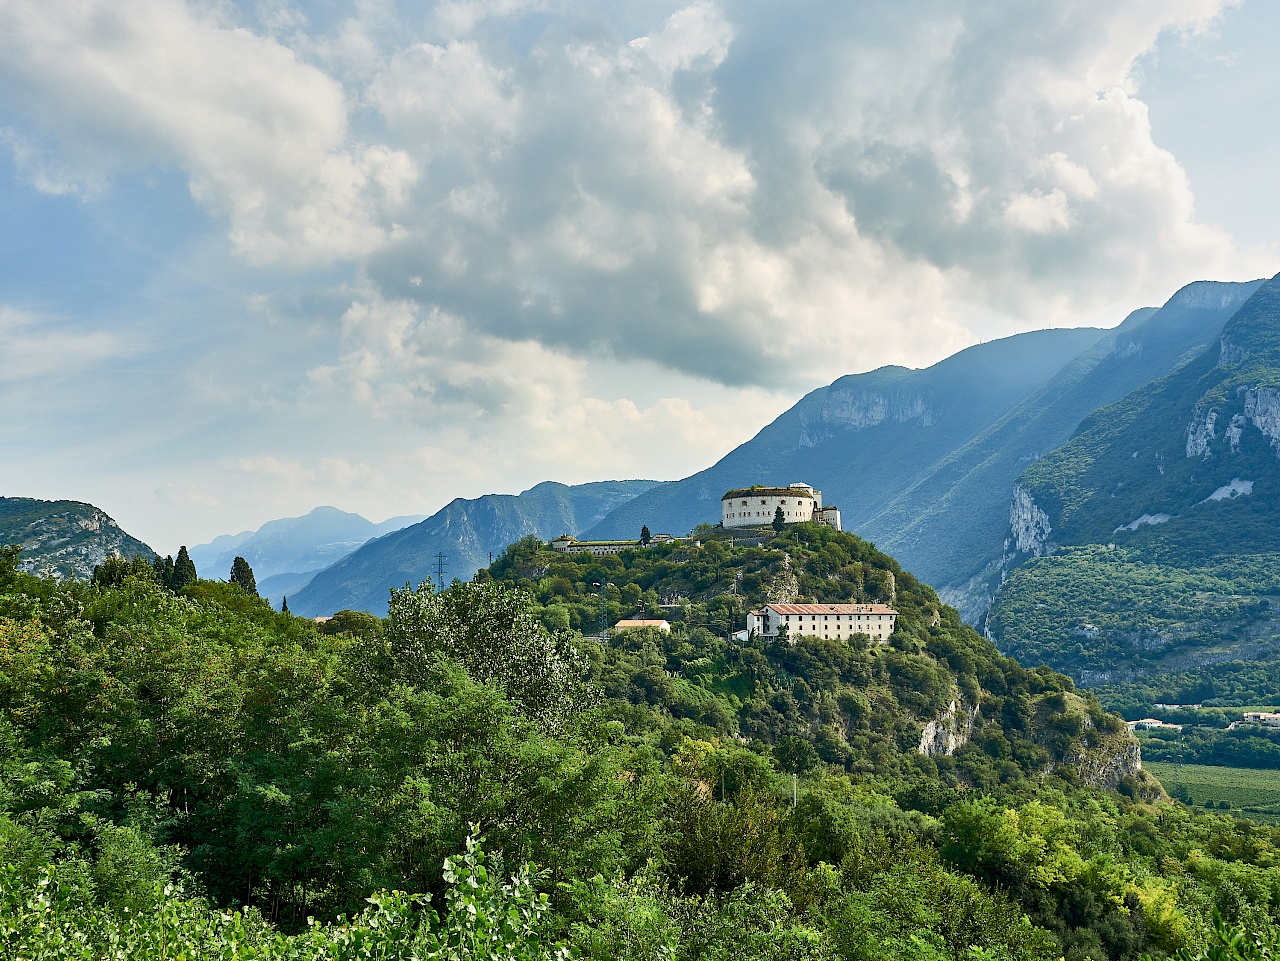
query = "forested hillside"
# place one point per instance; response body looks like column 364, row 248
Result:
column 1155, row 532
column 167, row 758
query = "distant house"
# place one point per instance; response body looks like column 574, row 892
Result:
column 631, row 624
column 832, row 621
column 1266, row 718
column 1150, row 724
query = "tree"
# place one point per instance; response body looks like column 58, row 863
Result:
column 163, row 568
column 493, row 632
column 645, row 536
column 184, row 570
column 242, row 574
column 284, row 604
column 779, row 522
column 114, row 569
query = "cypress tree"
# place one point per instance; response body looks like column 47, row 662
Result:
column 184, row 570
column 779, row 522
column 284, row 605
column 645, row 536
column 242, row 574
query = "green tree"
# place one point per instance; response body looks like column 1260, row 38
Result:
column 184, row 570
column 495, row 634
column 779, row 522
column 284, row 604
column 645, row 536
column 114, row 569
column 242, row 574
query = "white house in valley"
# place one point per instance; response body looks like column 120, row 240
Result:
column 757, row 506
column 832, row 621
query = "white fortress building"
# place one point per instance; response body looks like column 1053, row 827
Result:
column 837, row 622
column 757, row 506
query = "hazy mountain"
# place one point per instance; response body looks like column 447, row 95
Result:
column 467, row 532
column 1164, row 513
column 866, row 437
column 292, row 545
column 63, row 538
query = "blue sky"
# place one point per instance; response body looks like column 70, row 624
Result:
column 261, row 256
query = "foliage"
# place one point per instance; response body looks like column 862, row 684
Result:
column 1253, row 793
column 241, row 574
column 273, row 770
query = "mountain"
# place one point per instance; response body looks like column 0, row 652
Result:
column 952, row 523
column 291, row 547
column 924, row 462
column 63, row 539
column 467, row 532
column 865, row 437
column 1150, row 542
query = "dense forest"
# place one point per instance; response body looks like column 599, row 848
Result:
column 188, row 773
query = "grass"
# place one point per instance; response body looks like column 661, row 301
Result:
column 1250, row 792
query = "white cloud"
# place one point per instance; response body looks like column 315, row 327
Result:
column 38, row 347
column 262, row 135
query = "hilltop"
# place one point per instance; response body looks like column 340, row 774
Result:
column 938, row 690
column 64, row 539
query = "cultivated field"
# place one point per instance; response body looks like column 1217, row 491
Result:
column 1250, row 792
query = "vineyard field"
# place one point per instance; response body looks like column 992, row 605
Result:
column 1250, row 792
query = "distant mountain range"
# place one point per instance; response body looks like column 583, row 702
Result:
column 63, row 539
column 467, row 532
column 286, row 553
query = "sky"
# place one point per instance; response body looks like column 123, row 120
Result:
column 257, row 257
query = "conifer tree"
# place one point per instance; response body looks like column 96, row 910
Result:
column 184, row 570
column 284, row 605
column 242, row 574
column 645, row 536
column 779, row 522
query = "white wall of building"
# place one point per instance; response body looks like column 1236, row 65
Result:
column 833, row 621
column 757, row 508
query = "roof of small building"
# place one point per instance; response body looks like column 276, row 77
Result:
column 640, row 622
column 832, row 608
column 769, row 492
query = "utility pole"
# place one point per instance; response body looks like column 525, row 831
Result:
column 440, row 559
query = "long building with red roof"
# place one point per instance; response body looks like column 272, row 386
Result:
column 833, row 621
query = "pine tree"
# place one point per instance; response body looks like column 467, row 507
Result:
column 284, row 605
column 779, row 522
column 184, row 570
column 645, row 536
column 242, row 574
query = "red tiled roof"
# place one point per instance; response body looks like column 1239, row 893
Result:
column 832, row 608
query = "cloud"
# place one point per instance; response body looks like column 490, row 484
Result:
column 263, row 136
column 37, row 347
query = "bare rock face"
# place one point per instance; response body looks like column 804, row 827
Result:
column 950, row 730
column 1262, row 408
column 1200, row 432
column 850, row 409
column 1029, row 524
column 63, row 539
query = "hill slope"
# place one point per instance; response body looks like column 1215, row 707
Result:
column 467, row 532
column 1163, row 510
column 63, row 538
